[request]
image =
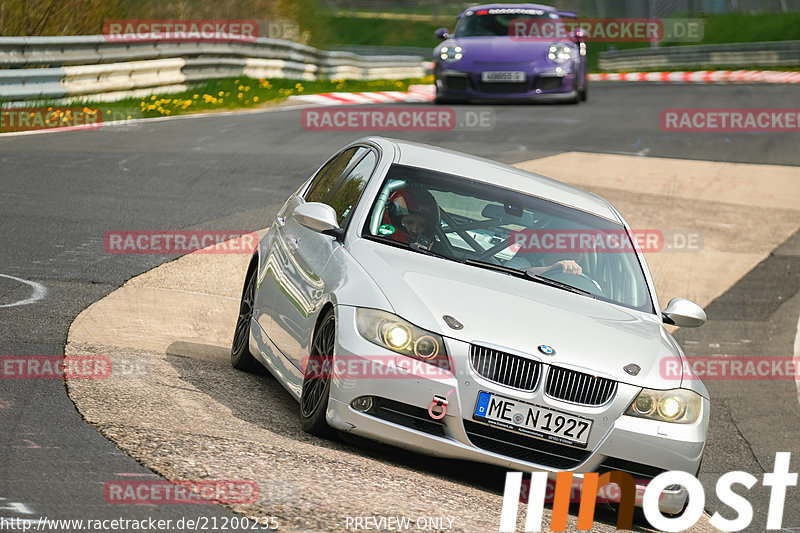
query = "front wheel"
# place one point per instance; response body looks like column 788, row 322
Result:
column 241, row 358
column 317, row 382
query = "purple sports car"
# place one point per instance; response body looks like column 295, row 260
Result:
column 484, row 60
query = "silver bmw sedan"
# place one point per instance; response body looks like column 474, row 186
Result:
column 460, row 307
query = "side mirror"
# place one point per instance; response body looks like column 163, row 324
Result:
column 318, row 217
column 442, row 33
column 684, row 313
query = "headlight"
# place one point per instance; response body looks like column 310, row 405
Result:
column 451, row 53
column 560, row 53
column 679, row 406
column 400, row 336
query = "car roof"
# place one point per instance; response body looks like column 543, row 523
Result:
column 494, row 173
column 511, row 6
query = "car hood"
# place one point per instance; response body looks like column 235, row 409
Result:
column 520, row 315
column 501, row 50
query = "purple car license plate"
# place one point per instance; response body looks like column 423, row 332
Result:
column 501, row 76
column 533, row 420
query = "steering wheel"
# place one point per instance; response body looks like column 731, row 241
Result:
column 586, row 281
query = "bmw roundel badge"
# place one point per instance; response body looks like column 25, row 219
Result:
column 547, row 350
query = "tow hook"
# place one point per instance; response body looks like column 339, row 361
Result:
column 438, row 401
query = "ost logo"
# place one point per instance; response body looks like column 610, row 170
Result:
column 779, row 479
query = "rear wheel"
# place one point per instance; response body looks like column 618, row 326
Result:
column 241, row 358
column 316, row 382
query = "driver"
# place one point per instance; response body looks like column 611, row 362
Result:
column 414, row 214
column 567, row 266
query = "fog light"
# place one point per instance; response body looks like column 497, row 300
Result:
column 362, row 403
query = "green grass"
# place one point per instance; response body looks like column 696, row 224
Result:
column 382, row 32
column 738, row 28
column 238, row 93
column 220, row 95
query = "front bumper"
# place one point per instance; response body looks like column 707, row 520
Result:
column 644, row 448
column 556, row 84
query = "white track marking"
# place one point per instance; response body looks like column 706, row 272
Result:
column 39, row 291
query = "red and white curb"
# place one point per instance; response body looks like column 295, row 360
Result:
column 415, row 93
column 703, row 76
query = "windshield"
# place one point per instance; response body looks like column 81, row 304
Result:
column 469, row 221
column 494, row 22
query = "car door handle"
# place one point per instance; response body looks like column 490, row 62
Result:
column 281, row 221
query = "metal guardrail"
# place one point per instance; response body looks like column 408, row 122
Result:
column 81, row 66
column 762, row 54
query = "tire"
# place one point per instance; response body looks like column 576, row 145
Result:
column 241, row 358
column 316, row 382
column 575, row 100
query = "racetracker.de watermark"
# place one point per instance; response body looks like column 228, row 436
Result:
column 180, row 242
column 55, row 367
column 49, row 118
column 179, row 31
column 607, row 30
column 572, row 241
column 374, row 367
column 179, row 492
column 396, row 119
column 730, row 119
column 731, row 368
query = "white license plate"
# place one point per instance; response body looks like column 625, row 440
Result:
column 532, row 420
column 503, row 76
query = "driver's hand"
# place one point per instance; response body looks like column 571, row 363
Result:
column 424, row 242
column 568, row 266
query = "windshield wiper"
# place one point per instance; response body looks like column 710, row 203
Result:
column 422, row 250
column 557, row 284
column 525, row 274
column 495, row 266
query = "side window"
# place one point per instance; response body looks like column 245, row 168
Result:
column 326, row 178
column 349, row 189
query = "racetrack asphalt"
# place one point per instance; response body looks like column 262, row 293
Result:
column 63, row 191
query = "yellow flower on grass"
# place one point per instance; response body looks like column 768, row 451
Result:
column 240, row 96
column 255, row 98
column 220, row 93
column 195, row 96
column 153, row 97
